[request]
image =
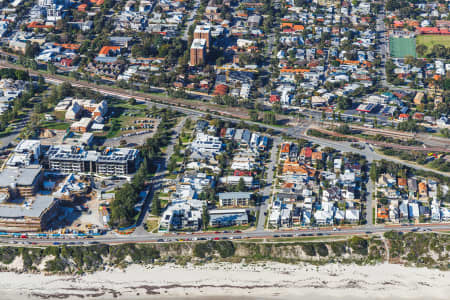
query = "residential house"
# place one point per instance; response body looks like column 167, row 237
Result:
column 234, row 199
column 227, row 217
column 423, row 189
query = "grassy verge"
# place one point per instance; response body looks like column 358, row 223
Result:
column 229, row 228
column 152, row 224
column 373, row 214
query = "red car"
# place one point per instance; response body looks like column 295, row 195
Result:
column 216, row 238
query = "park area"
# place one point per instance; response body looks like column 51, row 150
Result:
column 402, row 47
column 431, row 40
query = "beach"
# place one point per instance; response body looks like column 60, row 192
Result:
column 217, row 280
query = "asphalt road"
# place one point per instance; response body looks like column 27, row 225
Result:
column 369, row 204
column 267, row 190
column 191, row 19
column 257, row 234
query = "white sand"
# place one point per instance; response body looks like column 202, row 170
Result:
column 270, row 280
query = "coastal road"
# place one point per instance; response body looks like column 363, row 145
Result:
column 257, row 234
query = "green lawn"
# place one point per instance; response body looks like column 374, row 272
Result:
column 164, row 203
column 55, row 125
column 114, row 127
column 431, row 40
column 172, row 176
column 373, row 215
column 126, row 105
column 186, row 139
column 178, row 159
column 121, row 118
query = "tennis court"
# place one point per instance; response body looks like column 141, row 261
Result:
column 401, row 47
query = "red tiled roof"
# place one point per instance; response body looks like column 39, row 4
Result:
column 105, row 49
column 37, row 25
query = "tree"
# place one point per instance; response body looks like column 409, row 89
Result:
column 172, row 165
column 205, row 218
column 421, row 49
column 155, row 110
column 35, row 120
column 32, row 49
column 156, row 205
column 445, row 132
column 439, row 51
column 269, row 118
column 409, row 60
column 139, row 179
column 132, row 101
column 344, row 103
column 343, row 129
column 241, row 185
column 38, row 108
column 51, row 68
column 384, row 201
column 188, row 123
column 41, row 81
column 253, row 115
column 122, row 208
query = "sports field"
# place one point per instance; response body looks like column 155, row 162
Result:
column 431, row 40
column 401, row 47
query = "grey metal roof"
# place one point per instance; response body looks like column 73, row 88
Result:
column 19, row 176
column 228, row 218
column 234, row 195
column 40, row 204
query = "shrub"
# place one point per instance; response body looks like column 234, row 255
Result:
column 359, row 245
column 7, row 254
column 224, row 248
column 338, row 248
column 201, row 249
column 309, row 249
column 322, row 249
column 56, row 265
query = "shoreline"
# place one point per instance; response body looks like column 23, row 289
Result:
column 231, row 280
